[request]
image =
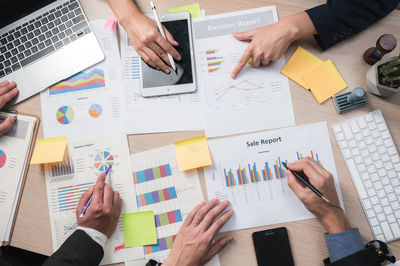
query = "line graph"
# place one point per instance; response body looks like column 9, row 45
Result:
column 245, row 88
column 69, row 227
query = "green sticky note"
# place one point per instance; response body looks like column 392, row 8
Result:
column 193, row 9
column 139, row 229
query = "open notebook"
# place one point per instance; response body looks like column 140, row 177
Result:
column 15, row 152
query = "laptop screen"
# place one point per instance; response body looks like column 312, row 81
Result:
column 13, row 10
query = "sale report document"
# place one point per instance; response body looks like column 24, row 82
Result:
column 259, row 98
column 247, row 170
column 14, row 152
column 180, row 112
column 89, row 101
column 67, row 181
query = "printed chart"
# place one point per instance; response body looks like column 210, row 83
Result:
column 95, row 110
column 103, row 160
column 65, row 115
column 91, row 79
column 67, row 198
column 169, row 193
column 3, row 158
column 260, row 182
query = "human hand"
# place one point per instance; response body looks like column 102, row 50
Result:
column 104, row 210
column 8, row 90
column 331, row 217
column 194, row 243
column 149, row 43
column 269, row 43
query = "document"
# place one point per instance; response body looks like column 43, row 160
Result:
column 259, row 98
column 181, row 112
column 171, row 194
column 90, row 101
column 67, row 181
column 248, row 172
column 14, row 151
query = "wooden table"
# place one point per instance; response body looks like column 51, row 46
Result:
column 32, row 230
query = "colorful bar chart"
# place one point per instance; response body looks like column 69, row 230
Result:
column 162, row 244
column 168, row 218
column 279, row 171
column 135, row 68
column 213, row 61
column 229, row 178
column 152, row 173
column 68, row 197
column 300, row 156
column 156, row 196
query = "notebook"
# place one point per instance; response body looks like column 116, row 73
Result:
column 15, row 152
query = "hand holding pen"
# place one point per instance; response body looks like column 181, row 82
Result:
column 103, row 209
column 330, row 214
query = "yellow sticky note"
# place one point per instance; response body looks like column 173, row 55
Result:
column 299, row 64
column 51, row 150
column 193, row 9
column 324, row 81
column 139, row 229
column 192, row 153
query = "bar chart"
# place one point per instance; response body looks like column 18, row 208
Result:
column 152, row 173
column 156, row 196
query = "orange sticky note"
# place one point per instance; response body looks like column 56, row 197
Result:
column 299, row 64
column 192, row 153
column 324, row 81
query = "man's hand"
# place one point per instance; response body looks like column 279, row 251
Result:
column 104, row 210
column 8, row 90
column 331, row 217
column 194, row 244
column 269, row 43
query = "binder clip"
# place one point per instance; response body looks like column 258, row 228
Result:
column 350, row 100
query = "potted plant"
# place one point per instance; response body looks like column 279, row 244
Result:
column 383, row 78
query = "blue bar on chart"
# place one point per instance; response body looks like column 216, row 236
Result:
column 300, row 156
column 135, row 68
column 279, row 171
column 63, row 168
column 156, row 196
column 229, row 178
column 170, row 217
column 68, row 197
column 152, row 173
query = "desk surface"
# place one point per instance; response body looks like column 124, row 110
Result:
column 32, row 230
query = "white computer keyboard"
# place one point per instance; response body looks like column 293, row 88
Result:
column 374, row 165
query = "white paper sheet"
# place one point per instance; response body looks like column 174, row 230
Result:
column 259, row 98
column 157, row 170
column 155, row 114
column 265, row 198
column 66, row 183
column 90, row 101
column 14, row 150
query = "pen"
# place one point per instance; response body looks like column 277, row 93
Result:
column 91, row 196
column 161, row 29
column 305, row 182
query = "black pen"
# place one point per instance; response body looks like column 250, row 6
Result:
column 305, row 182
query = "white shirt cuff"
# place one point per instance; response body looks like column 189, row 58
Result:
column 97, row 236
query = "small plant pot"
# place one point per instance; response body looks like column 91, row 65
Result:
column 373, row 85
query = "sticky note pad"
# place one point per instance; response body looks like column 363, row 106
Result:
column 299, row 64
column 139, row 229
column 192, row 153
column 324, row 81
column 51, row 150
column 193, row 9
column 110, row 23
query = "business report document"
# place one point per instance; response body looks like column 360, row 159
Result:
column 67, row 181
column 89, row 101
column 259, row 98
column 247, row 170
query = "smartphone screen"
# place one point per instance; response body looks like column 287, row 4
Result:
column 272, row 247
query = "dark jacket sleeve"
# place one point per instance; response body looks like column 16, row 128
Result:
column 339, row 19
column 365, row 257
column 79, row 249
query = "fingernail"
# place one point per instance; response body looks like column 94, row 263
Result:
column 13, row 118
column 4, row 82
column 215, row 200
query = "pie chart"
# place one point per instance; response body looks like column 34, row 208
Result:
column 3, row 158
column 65, row 115
column 95, row 110
column 102, row 160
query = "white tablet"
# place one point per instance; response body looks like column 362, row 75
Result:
column 155, row 82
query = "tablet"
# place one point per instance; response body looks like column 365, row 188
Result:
column 155, row 82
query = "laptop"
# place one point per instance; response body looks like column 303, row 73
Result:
column 43, row 42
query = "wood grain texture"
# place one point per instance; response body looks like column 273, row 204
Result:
column 32, row 231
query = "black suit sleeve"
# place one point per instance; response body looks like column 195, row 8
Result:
column 79, row 249
column 365, row 257
column 339, row 19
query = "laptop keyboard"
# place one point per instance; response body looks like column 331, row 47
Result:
column 41, row 36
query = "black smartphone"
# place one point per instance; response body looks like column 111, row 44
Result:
column 272, row 247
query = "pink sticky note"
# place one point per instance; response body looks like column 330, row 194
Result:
column 110, row 23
